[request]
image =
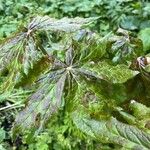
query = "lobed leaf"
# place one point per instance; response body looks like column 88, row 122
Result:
column 19, row 53
column 64, row 24
column 42, row 104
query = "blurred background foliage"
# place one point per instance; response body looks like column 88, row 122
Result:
column 61, row 134
column 128, row 14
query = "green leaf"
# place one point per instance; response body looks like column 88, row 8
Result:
column 93, row 48
column 69, row 78
column 64, row 24
column 125, row 47
column 2, row 135
column 43, row 103
column 2, row 147
column 19, row 53
column 126, row 116
column 103, row 70
column 130, row 23
column 14, row 96
column 113, row 131
column 144, row 35
column 139, row 110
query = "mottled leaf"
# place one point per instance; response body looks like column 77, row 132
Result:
column 105, row 71
column 125, row 47
column 64, row 24
column 19, row 53
column 42, row 104
column 94, row 47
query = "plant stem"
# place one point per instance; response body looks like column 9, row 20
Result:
column 11, row 106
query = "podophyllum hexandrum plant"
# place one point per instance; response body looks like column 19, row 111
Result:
column 75, row 69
